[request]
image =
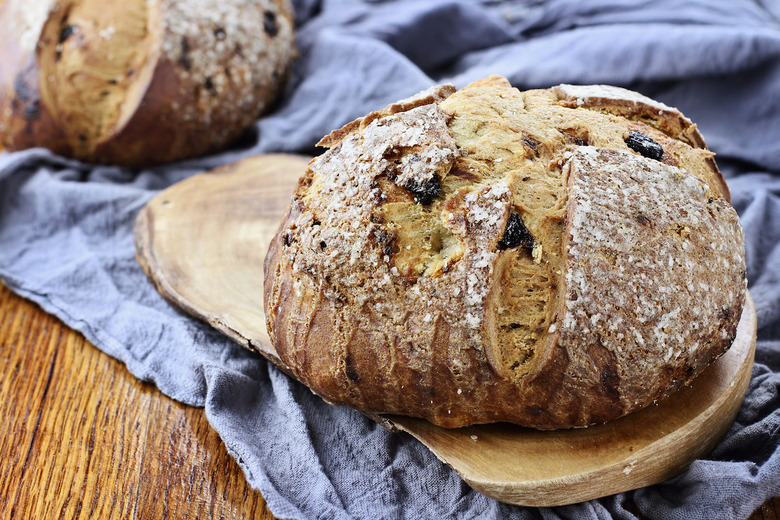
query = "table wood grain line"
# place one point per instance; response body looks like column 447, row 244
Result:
column 142, row 464
column 40, row 414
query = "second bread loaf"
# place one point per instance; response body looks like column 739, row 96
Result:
column 139, row 82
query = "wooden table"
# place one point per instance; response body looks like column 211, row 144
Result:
column 82, row 438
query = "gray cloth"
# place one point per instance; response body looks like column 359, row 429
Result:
column 66, row 237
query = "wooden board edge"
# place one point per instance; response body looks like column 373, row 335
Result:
column 144, row 237
column 586, row 486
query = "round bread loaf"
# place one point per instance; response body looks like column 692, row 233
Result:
column 552, row 258
column 139, row 82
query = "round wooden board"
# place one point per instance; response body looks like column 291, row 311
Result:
column 202, row 243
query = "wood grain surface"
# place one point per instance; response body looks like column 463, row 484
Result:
column 201, row 243
column 81, row 438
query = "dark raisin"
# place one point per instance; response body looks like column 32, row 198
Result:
column 68, row 31
column 350, row 371
column 531, row 142
column 577, row 136
column 642, row 219
column 424, row 192
column 219, row 33
column 644, row 145
column 184, row 60
column 287, row 240
column 392, row 153
column 609, row 382
column 516, row 234
column 387, row 240
column 269, row 23
column 209, row 84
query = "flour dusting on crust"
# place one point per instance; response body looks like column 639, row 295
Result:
column 651, row 265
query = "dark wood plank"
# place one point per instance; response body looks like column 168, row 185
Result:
column 202, row 479
column 82, row 438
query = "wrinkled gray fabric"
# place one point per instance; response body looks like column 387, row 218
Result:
column 66, row 237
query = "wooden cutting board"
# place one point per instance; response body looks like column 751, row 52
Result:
column 202, row 243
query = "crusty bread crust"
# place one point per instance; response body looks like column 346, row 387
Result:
column 139, row 82
column 495, row 255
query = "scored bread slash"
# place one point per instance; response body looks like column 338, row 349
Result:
column 552, row 258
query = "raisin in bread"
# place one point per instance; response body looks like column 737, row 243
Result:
column 551, row 258
column 141, row 81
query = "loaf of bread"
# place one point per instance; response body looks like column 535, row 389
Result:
column 551, row 258
column 139, row 82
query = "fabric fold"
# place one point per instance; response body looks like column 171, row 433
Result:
column 66, row 238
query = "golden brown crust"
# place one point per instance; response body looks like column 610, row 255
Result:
column 495, row 255
column 139, row 82
column 636, row 107
column 432, row 95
